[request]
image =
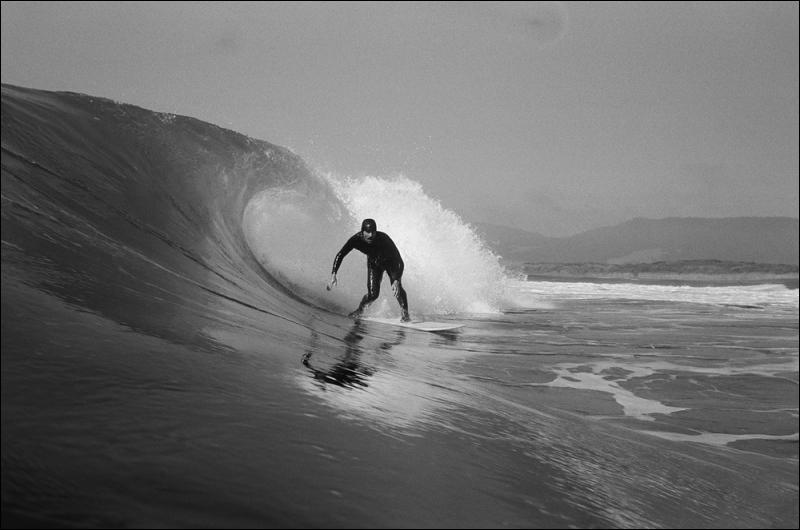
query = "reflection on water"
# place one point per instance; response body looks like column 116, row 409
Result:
column 350, row 371
column 392, row 379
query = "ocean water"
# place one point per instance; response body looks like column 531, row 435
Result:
column 170, row 356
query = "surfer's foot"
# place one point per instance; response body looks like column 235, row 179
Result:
column 355, row 314
column 405, row 317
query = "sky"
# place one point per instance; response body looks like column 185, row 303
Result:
column 552, row 117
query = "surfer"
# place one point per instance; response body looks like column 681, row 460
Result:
column 382, row 256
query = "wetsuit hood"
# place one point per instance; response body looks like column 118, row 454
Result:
column 368, row 225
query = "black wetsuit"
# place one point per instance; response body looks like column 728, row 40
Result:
column 382, row 256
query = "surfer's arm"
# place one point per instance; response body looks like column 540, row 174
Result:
column 337, row 261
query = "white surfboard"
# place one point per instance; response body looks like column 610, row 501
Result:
column 422, row 325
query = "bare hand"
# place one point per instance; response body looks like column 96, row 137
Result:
column 331, row 283
column 395, row 286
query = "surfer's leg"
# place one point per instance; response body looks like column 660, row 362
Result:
column 401, row 298
column 374, row 277
column 395, row 277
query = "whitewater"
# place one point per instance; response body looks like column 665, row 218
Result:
column 171, row 357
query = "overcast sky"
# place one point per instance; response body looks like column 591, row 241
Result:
column 547, row 116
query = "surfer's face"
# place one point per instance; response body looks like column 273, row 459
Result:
column 368, row 236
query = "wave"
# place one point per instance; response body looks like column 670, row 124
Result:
column 115, row 207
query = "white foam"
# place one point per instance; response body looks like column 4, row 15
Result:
column 717, row 438
column 632, row 405
column 748, row 295
column 448, row 268
column 591, row 377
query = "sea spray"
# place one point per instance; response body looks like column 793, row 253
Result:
column 448, row 269
column 296, row 231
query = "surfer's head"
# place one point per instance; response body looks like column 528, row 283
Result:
column 368, row 229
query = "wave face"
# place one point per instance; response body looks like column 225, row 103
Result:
column 107, row 204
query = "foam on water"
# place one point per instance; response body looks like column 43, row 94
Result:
column 746, row 295
column 633, row 405
column 593, row 376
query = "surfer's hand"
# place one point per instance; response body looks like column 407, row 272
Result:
column 331, row 283
column 395, row 285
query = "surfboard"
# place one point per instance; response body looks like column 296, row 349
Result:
column 421, row 325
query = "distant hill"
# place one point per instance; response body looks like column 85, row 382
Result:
column 736, row 239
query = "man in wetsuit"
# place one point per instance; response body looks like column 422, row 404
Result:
column 382, row 256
